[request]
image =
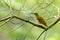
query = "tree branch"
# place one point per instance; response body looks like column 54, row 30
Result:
column 6, row 18
column 38, row 25
column 5, row 22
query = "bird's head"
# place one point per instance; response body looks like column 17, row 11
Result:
column 34, row 13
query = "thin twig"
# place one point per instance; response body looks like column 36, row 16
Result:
column 40, row 35
column 6, row 21
column 27, row 32
column 9, row 5
column 6, row 18
column 49, row 4
column 51, row 17
column 6, row 4
column 45, row 35
column 58, row 10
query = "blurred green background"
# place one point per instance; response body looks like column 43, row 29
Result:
column 16, row 29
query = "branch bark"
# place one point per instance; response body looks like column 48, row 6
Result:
column 38, row 25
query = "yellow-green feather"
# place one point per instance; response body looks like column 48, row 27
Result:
column 40, row 19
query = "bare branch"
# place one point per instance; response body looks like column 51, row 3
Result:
column 49, row 4
column 6, row 4
column 40, row 35
column 3, row 19
column 38, row 25
column 51, row 17
column 10, row 6
column 53, row 23
column 27, row 32
column 6, row 20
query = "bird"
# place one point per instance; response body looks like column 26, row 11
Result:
column 40, row 19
